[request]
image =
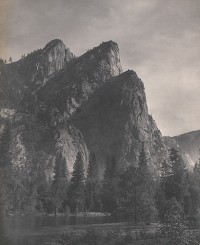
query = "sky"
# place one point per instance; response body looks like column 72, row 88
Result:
column 159, row 39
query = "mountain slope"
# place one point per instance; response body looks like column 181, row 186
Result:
column 72, row 86
column 188, row 142
column 52, row 101
column 58, row 102
column 48, row 86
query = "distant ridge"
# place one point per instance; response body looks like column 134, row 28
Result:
column 188, row 142
column 191, row 132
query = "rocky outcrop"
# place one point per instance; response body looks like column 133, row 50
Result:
column 71, row 87
column 70, row 142
column 70, row 104
column 20, row 80
column 54, row 57
column 49, row 85
column 115, row 122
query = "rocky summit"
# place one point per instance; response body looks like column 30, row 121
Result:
column 54, row 101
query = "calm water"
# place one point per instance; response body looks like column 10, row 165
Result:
column 28, row 230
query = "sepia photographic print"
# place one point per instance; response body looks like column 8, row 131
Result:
column 99, row 122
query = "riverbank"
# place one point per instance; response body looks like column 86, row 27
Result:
column 76, row 230
column 81, row 214
column 110, row 235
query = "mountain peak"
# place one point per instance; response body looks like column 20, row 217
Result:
column 105, row 57
column 53, row 43
column 109, row 44
column 130, row 74
column 107, row 47
column 56, row 55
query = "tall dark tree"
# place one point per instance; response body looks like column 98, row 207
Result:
column 77, row 182
column 6, row 181
column 60, row 183
column 92, row 186
column 135, row 196
column 173, row 184
column 110, row 186
column 166, row 172
column 127, row 194
column 2, row 193
column 145, row 189
column 5, row 143
column 192, row 199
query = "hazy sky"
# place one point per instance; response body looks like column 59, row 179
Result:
column 159, row 39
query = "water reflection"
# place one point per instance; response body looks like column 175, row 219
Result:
column 27, row 230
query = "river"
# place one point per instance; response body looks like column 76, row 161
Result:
column 27, row 230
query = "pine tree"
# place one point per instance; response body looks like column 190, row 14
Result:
column 110, row 188
column 166, row 172
column 23, row 56
column 2, row 192
column 6, row 178
column 127, row 195
column 145, row 206
column 10, row 59
column 76, row 191
column 60, row 183
column 176, row 182
column 173, row 183
column 193, row 198
column 92, row 186
column 135, row 196
column 5, row 156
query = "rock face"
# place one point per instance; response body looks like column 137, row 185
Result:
column 188, row 144
column 70, row 88
column 54, row 57
column 115, row 122
column 55, row 101
column 24, row 77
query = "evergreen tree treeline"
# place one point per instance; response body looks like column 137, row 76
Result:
column 129, row 192
column 179, row 189
column 124, row 191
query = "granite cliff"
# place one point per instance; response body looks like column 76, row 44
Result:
column 56, row 101
column 188, row 144
column 114, row 121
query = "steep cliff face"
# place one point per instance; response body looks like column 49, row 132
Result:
column 115, row 122
column 55, row 101
column 44, row 62
column 70, row 141
column 71, row 87
column 54, row 57
column 20, row 80
column 49, row 85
